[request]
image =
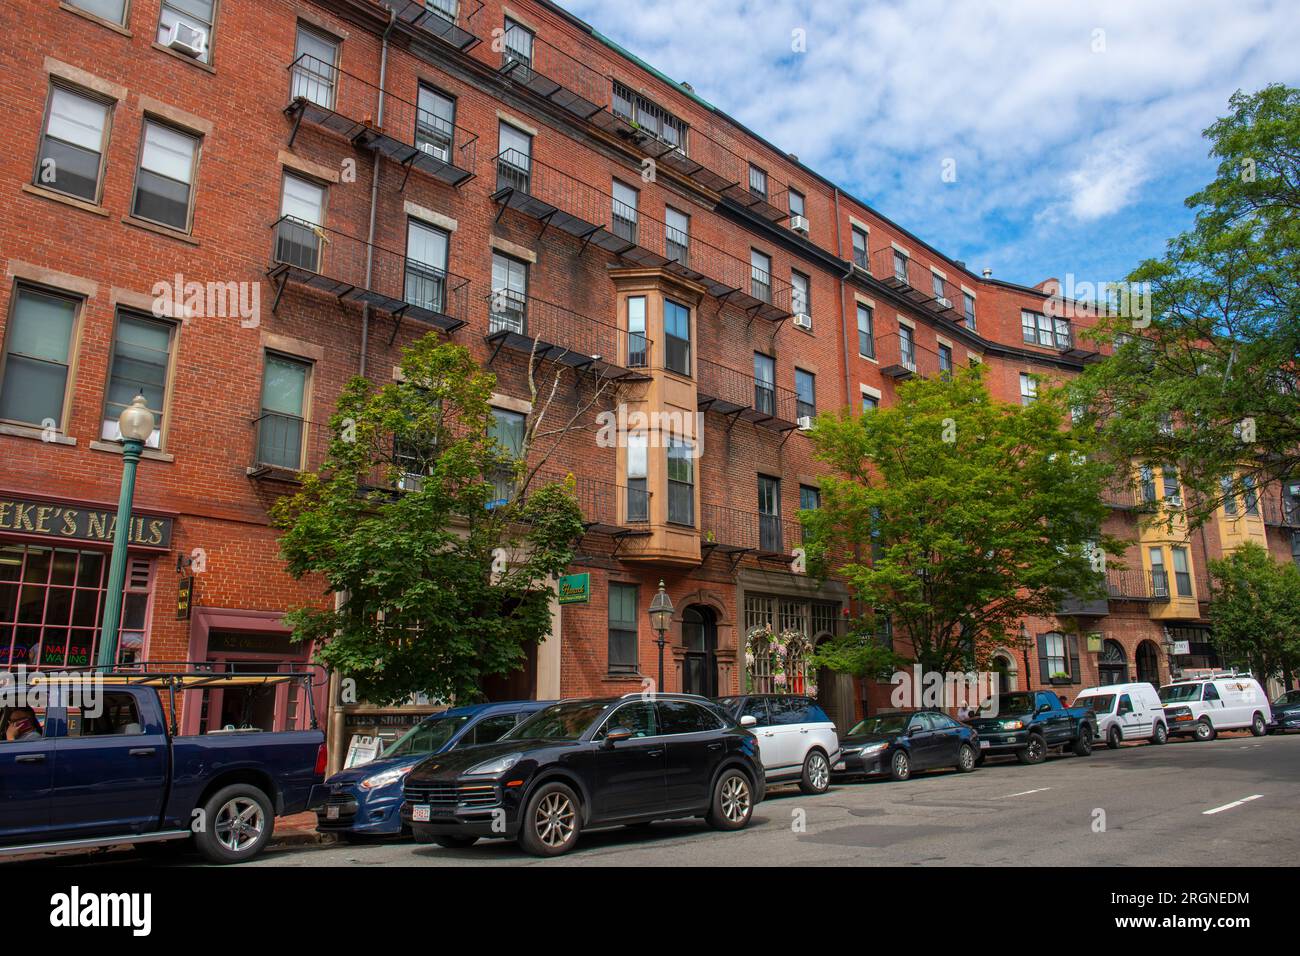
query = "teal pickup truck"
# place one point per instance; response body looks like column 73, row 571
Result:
column 1029, row 724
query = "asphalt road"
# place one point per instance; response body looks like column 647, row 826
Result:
column 1142, row 805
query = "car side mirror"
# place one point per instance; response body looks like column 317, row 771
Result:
column 913, row 730
column 1044, row 708
column 749, row 720
column 615, row 734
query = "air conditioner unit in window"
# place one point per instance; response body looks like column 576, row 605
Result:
column 1174, row 501
column 799, row 224
column 186, row 39
column 802, row 320
column 943, row 302
column 805, row 422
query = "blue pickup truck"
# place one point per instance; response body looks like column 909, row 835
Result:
column 1030, row 723
column 94, row 760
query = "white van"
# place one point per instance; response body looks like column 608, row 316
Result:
column 1203, row 706
column 1126, row 712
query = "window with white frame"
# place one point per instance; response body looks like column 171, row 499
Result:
column 315, row 67
column 164, row 182
column 189, row 22
column 72, row 148
column 1028, row 389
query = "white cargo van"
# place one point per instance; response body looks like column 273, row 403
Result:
column 1126, row 712
column 1203, row 706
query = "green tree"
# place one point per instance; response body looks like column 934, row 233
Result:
column 1206, row 377
column 979, row 513
column 444, row 582
column 1255, row 611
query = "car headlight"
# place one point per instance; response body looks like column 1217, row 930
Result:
column 850, row 751
column 1013, row 725
column 873, row 749
column 492, row 767
column 384, row 778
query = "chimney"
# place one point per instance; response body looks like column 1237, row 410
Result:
column 988, row 273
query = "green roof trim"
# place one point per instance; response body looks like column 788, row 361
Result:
column 622, row 51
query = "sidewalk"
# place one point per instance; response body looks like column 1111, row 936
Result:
column 298, row 830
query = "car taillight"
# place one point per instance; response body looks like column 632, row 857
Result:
column 320, row 761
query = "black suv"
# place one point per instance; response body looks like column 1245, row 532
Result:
column 589, row 763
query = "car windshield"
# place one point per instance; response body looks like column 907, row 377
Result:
column 1178, row 693
column 1101, row 703
column 426, row 737
column 1290, row 697
column 566, row 721
column 888, row 726
column 1016, row 704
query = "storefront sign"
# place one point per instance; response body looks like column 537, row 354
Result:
column 362, row 750
column 72, row 523
column 254, row 642
column 575, row 589
column 184, row 594
column 1181, row 648
column 1094, row 643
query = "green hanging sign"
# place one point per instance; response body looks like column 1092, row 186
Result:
column 575, row 589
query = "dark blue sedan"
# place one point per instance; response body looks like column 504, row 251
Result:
column 367, row 800
column 898, row 745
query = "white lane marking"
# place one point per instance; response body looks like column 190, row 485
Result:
column 1229, row 806
column 1025, row 793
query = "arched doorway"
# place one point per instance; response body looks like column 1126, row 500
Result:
column 1148, row 663
column 1006, row 671
column 700, row 639
column 1112, row 665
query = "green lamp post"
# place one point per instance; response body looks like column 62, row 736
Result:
column 136, row 425
column 661, row 617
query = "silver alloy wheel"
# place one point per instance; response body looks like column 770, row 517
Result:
column 1203, row 730
column 735, row 799
column 239, row 824
column 967, row 757
column 902, row 768
column 1037, row 747
column 819, row 773
column 554, row 819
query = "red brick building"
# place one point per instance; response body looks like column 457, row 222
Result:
column 341, row 177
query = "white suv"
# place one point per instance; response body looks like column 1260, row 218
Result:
column 1204, row 706
column 796, row 740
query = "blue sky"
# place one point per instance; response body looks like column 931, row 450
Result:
column 1075, row 127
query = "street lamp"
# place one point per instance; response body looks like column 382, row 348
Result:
column 136, row 425
column 661, row 616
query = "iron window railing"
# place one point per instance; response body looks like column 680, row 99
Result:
column 514, row 170
column 280, row 440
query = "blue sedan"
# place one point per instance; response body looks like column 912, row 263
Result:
column 366, row 800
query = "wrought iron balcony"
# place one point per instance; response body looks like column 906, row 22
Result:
column 901, row 358
column 741, row 396
column 607, row 507
column 333, row 262
column 558, row 200
column 1075, row 606
column 917, row 283
column 1159, row 587
column 1281, row 512
column 449, row 21
column 534, row 326
column 734, row 530
column 325, row 96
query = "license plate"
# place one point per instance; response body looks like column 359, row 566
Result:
column 331, row 813
column 984, row 745
column 420, row 814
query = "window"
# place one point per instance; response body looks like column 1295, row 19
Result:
column 936, row 285
column 519, row 43
column 426, row 266
column 72, row 148
column 649, row 117
column 907, row 347
column 764, row 383
column 1169, row 481
column 624, row 211
column 1039, row 329
column 52, row 606
column 1147, row 484
column 281, row 425
column 681, row 483
column 1249, row 495
column 758, row 182
column 810, row 498
column 636, row 338
column 315, row 58
column 302, row 212
column 38, row 348
column 197, row 15
column 859, row 248
column 515, row 158
column 683, row 717
column 1061, row 330
column 769, row 514
column 677, row 228
column 1182, row 572
column 968, row 308
column 1028, row 389
column 1229, row 499
column 638, row 717
column 509, row 306
column 1295, row 547
column 796, row 203
column 866, row 331
column 900, row 265
column 165, row 180
column 638, row 498
column 760, row 275
column 490, row 729
column 1057, row 660
column 140, row 363
column 945, row 360
column 805, row 394
column 444, row 8
column 1159, row 580
column 1210, row 692
column 113, row 11
column 435, row 123
column 800, row 300
column 869, row 402
column 622, row 628
column 507, row 429
column 677, row 337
